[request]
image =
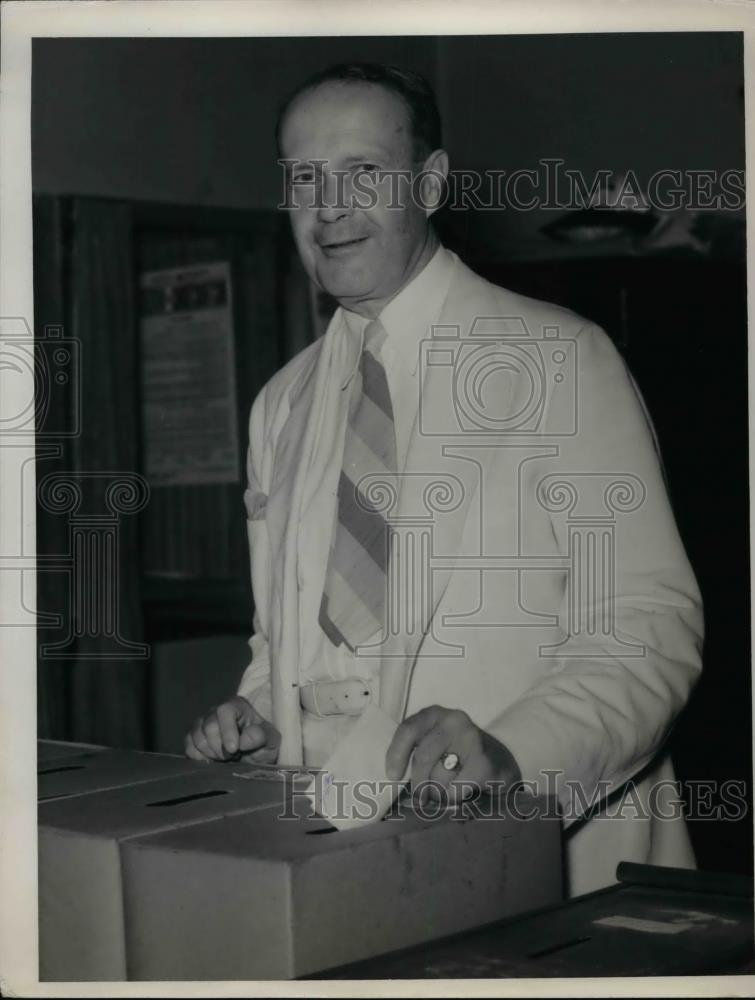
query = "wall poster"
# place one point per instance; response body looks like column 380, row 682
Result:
column 188, row 377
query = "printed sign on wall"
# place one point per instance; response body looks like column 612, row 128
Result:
column 188, row 378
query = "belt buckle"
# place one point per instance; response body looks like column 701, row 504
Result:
column 360, row 686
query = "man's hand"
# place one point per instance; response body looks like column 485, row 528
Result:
column 230, row 730
column 435, row 732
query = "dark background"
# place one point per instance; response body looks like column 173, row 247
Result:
column 150, row 153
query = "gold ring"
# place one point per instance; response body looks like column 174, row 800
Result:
column 450, row 761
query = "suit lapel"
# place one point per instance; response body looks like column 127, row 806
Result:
column 434, row 457
column 431, row 451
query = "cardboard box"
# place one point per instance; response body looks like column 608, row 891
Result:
column 81, row 927
column 259, row 897
column 657, row 921
column 54, row 749
column 99, row 769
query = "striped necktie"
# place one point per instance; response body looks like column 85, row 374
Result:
column 353, row 601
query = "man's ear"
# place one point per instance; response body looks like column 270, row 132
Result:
column 432, row 187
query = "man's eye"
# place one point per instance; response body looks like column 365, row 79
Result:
column 304, row 177
column 369, row 168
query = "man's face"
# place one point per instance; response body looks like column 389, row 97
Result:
column 360, row 255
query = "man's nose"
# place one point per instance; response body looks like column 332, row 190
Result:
column 334, row 201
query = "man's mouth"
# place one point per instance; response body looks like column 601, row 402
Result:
column 337, row 248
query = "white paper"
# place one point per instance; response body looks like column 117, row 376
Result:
column 353, row 788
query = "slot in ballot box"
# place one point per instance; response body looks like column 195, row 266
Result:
column 99, row 769
column 81, row 929
column 257, row 896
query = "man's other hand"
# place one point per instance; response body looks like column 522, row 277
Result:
column 436, row 733
column 232, row 730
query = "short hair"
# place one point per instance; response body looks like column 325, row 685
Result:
column 413, row 89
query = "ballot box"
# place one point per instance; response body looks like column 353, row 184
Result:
column 655, row 921
column 260, row 896
column 81, row 923
column 99, row 768
column 55, row 749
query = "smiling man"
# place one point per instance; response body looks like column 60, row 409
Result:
column 500, row 654
column 361, row 257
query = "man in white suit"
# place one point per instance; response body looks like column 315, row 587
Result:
column 456, row 511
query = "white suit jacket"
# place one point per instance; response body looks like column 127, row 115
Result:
column 549, row 595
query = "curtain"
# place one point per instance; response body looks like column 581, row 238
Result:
column 93, row 667
column 52, row 457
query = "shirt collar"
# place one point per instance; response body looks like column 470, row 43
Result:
column 409, row 316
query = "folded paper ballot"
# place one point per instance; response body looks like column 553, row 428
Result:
column 353, row 788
